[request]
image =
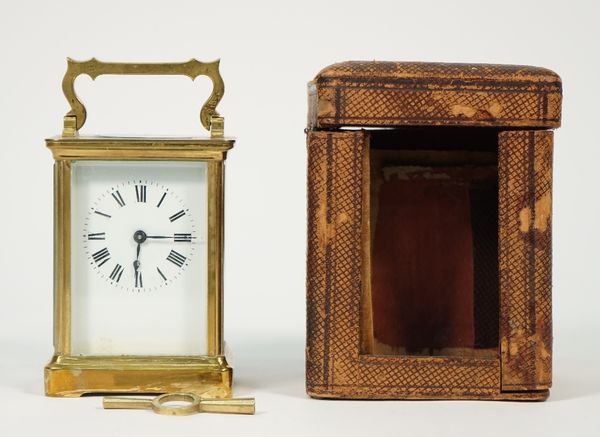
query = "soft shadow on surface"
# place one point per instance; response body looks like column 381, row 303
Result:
column 275, row 364
column 575, row 381
column 22, row 366
column 576, row 365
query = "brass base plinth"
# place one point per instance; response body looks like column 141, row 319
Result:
column 69, row 376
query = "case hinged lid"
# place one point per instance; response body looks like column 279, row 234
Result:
column 373, row 93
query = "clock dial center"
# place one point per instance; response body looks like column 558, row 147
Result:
column 139, row 237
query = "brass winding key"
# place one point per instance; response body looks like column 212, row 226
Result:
column 193, row 404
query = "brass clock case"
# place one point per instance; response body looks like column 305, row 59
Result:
column 70, row 375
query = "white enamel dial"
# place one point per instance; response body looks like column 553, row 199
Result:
column 139, row 235
column 139, row 258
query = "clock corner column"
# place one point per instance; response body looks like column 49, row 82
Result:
column 62, row 257
column 215, row 256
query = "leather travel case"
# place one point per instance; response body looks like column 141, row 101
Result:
column 429, row 231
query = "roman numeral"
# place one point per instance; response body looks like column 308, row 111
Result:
column 101, row 257
column 140, row 193
column 176, row 258
column 161, row 200
column 161, row 274
column 97, row 236
column 102, row 214
column 119, row 199
column 138, row 280
column 183, row 237
column 177, row 215
column 116, row 273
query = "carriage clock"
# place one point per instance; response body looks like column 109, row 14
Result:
column 138, row 252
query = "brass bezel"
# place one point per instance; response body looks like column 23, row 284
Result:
column 68, row 375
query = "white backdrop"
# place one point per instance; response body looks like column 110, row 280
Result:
column 269, row 50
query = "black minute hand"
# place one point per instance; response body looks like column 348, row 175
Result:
column 176, row 237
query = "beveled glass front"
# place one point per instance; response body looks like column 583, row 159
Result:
column 139, row 258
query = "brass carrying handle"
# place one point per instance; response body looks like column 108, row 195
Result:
column 193, row 68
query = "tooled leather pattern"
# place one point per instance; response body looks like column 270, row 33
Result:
column 447, row 70
column 525, row 176
column 388, row 93
column 335, row 367
column 316, row 260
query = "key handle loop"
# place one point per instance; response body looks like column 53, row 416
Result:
column 192, row 404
